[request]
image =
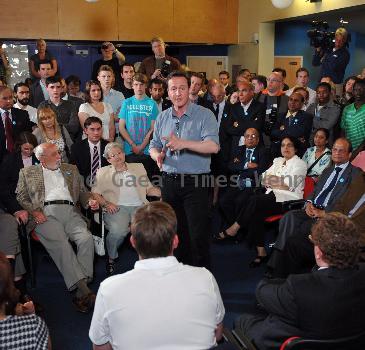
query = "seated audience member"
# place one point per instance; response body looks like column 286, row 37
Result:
column 87, row 154
column 107, row 50
column 353, row 116
column 73, row 83
column 66, row 111
column 224, row 79
column 156, row 88
column 329, row 81
column 304, row 92
column 245, row 73
column 358, row 157
column 196, row 84
column 42, row 55
column 326, row 303
column 95, row 107
column 38, row 90
column 137, row 118
column 347, row 96
column 302, row 75
column 295, row 123
column 159, row 65
column 318, row 157
column 51, row 132
column 127, row 74
column 259, row 82
column 197, row 309
column 282, row 72
column 20, row 328
column 325, row 111
column 66, row 97
column 284, row 181
column 22, row 92
column 331, row 186
column 247, row 162
column 49, row 192
column 120, row 188
column 13, row 122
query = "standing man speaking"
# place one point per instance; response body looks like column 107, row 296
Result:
column 184, row 137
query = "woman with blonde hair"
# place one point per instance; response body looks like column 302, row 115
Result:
column 51, row 132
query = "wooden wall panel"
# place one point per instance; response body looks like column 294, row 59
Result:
column 80, row 20
column 28, row 19
column 143, row 19
column 231, row 22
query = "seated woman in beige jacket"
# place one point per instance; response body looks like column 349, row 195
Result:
column 120, row 188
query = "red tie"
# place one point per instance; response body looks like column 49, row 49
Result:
column 9, row 133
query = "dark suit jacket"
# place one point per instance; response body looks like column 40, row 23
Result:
column 328, row 303
column 341, row 186
column 76, row 101
column 166, row 104
column 9, row 175
column 21, row 123
column 36, row 94
column 81, row 157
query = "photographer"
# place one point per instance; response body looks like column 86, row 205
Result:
column 333, row 63
column 160, row 65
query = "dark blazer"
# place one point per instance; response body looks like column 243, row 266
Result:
column 21, row 123
column 36, row 94
column 341, row 186
column 166, row 104
column 81, row 157
column 77, row 101
column 9, row 175
column 327, row 303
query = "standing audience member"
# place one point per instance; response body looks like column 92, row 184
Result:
column 157, row 89
column 184, row 137
column 95, row 107
column 197, row 309
column 73, row 83
column 260, row 84
column 347, row 97
column 282, row 72
column 159, row 65
column 302, row 75
column 196, row 84
column 66, row 97
column 4, row 64
column 224, row 79
column 22, row 93
column 38, row 90
column 137, row 118
column 49, row 192
column 42, row 55
column 127, row 73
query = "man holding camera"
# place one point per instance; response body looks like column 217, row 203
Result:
column 160, row 65
column 333, row 63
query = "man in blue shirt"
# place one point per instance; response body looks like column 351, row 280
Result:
column 184, row 137
column 137, row 117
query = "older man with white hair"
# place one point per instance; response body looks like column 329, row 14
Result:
column 49, row 192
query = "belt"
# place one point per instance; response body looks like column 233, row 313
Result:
column 177, row 176
column 59, row 202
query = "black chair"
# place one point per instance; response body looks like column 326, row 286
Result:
column 242, row 340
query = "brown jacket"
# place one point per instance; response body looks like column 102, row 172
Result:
column 148, row 65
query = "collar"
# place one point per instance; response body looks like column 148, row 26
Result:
column 188, row 111
column 20, row 106
column 291, row 114
column 58, row 170
column 92, row 144
column 65, row 98
column 156, row 263
column 5, row 110
column 247, row 105
column 342, row 166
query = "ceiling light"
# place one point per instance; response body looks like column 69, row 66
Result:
column 281, row 4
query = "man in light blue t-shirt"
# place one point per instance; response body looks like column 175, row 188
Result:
column 137, row 117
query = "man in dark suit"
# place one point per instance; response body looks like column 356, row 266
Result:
column 247, row 163
column 327, row 303
column 295, row 123
column 83, row 153
column 38, row 90
column 13, row 122
column 66, row 97
column 248, row 113
column 331, row 186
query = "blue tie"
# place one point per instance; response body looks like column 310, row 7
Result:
column 322, row 197
column 248, row 155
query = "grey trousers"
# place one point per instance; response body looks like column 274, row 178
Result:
column 64, row 223
column 118, row 226
column 9, row 241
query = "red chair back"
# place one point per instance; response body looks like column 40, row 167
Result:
column 308, row 186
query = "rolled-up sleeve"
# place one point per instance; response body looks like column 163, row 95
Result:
column 210, row 128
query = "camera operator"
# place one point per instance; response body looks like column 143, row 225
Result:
column 333, row 63
column 160, row 65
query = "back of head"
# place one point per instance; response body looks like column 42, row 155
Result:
column 8, row 294
column 153, row 229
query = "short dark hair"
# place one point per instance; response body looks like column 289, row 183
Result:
column 89, row 120
column 296, row 143
column 197, row 75
column 18, row 85
column 224, row 72
column 177, row 74
column 241, row 71
column 38, row 65
column 25, row 137
column 280, row 70
column 53, row 80
column 261, row 79
column 301, row 69
column 360, row 82
column 325, row 131
column 9, row 295
column 153, row 228
column 73, row 79
column 157, row 82
column 88, row 87
column 126, row 64
column 105, row 68
column 338, row 238
column 325, row 85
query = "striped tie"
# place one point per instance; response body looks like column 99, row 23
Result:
column 94, row 165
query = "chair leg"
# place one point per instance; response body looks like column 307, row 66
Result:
column 30, row 259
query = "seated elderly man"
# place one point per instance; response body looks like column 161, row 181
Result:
column 120, row 188
column 49, row 192
column 161, row 303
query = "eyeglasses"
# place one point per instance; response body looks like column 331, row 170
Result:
column 250, row 136
column 113, row 155
column 273, row 81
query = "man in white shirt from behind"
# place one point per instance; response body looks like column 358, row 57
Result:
column 161, row 303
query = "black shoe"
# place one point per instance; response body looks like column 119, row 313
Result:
column 110, row 268
column 258, row 261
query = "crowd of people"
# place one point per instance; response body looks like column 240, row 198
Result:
column 244, row 151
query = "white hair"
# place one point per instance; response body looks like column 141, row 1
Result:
column 109, row 147
column 39, row 151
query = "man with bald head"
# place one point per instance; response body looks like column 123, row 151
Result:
column 13, row 122
column 49, row 192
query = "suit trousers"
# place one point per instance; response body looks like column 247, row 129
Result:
column 64, row 223
column 189, row 197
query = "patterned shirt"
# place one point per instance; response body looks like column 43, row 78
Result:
column 353, row 122
column 23, row 332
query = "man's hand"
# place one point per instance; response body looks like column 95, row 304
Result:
column 160, row 158
column 21, row 216
column 175, row 143
column 156, row 74
column 93, row 204
column 111, row 208
column 39, row 217
column 234, row 98
column 252, row 165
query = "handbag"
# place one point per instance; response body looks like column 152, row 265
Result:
column 99, row 242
